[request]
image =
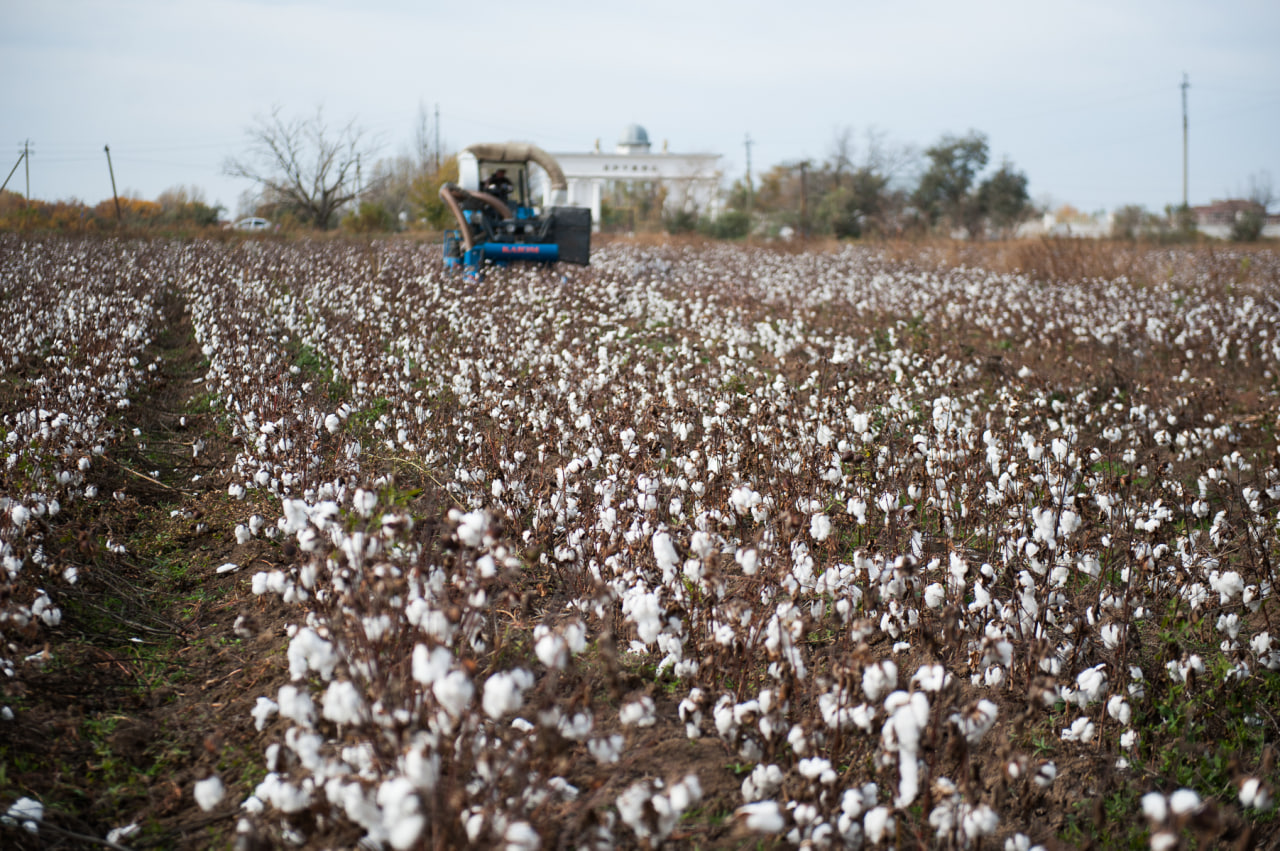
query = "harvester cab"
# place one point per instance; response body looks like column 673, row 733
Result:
column 498, row 221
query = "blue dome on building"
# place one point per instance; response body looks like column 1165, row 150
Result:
column 634, row 140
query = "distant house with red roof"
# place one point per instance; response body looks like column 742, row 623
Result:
column 1217, row 218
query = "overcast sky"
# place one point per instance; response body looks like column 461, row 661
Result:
column 1081, row 96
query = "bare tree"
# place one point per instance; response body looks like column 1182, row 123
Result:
column 424, row 147
column 1260, row 191
column 304, row 166
column 840, row 159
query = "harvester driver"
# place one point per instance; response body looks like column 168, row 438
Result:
column 499, row 185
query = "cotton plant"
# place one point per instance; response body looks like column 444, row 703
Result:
column 730, row 486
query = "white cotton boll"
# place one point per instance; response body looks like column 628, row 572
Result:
column 761, row 817
column 748, row 560
column 308, row 651
column 364, row 502
column 28, row 812
column 242, row 534
column 930, row 678
column 454, row 692
column 1118, row 708
column 1254, row 794
column 797, row 740
column 209, row 792
column 908, row 716
column 1155, row 807
column 665, row 553
column 639, row 713
column 745, row 501
column 980, row 821
column 1092, row 682
column 820, row 527
column 1164, row 840
column 430, row 664
column 1021, row 842
column 473, row 527
column 263, row 710
column 763, row 782
column 402, row 818
column 296, row 516
column 1046, row 773
column 606, row 751
column 976, row 720
column 935, row 595
column 520, row 836
column 1068, row 522
column 685, row 793
column 332, row 423
column 550, row 648
column 342, row 703
column 631, row 807
column 504, row 692
column 1184, row 802
column 44, row 609
column 1229, row 585
column 878, row 825
column 814, row 767
column 282, row 795
column 422, row 769
column 574, row 634
column 296, row 705
column 1081, row 730
column 879, row 678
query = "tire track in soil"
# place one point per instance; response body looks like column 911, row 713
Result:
column 148, row 686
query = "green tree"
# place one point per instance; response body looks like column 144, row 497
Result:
column 855, row 206
column 730, row 224
column 182, row 204
column 944, row 193
column 424, row 195
column 371, row 217
column 1003, row 199
column 1248, row 225
column 1128, row 222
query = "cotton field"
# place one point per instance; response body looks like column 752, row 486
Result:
column 699, row 546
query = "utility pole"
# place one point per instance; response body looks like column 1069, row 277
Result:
column 26, row 164
column 1185, row 85
column 357, row 182
column 112, row 172
column 437, row 121
column 804, row 198
column 750, row 189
